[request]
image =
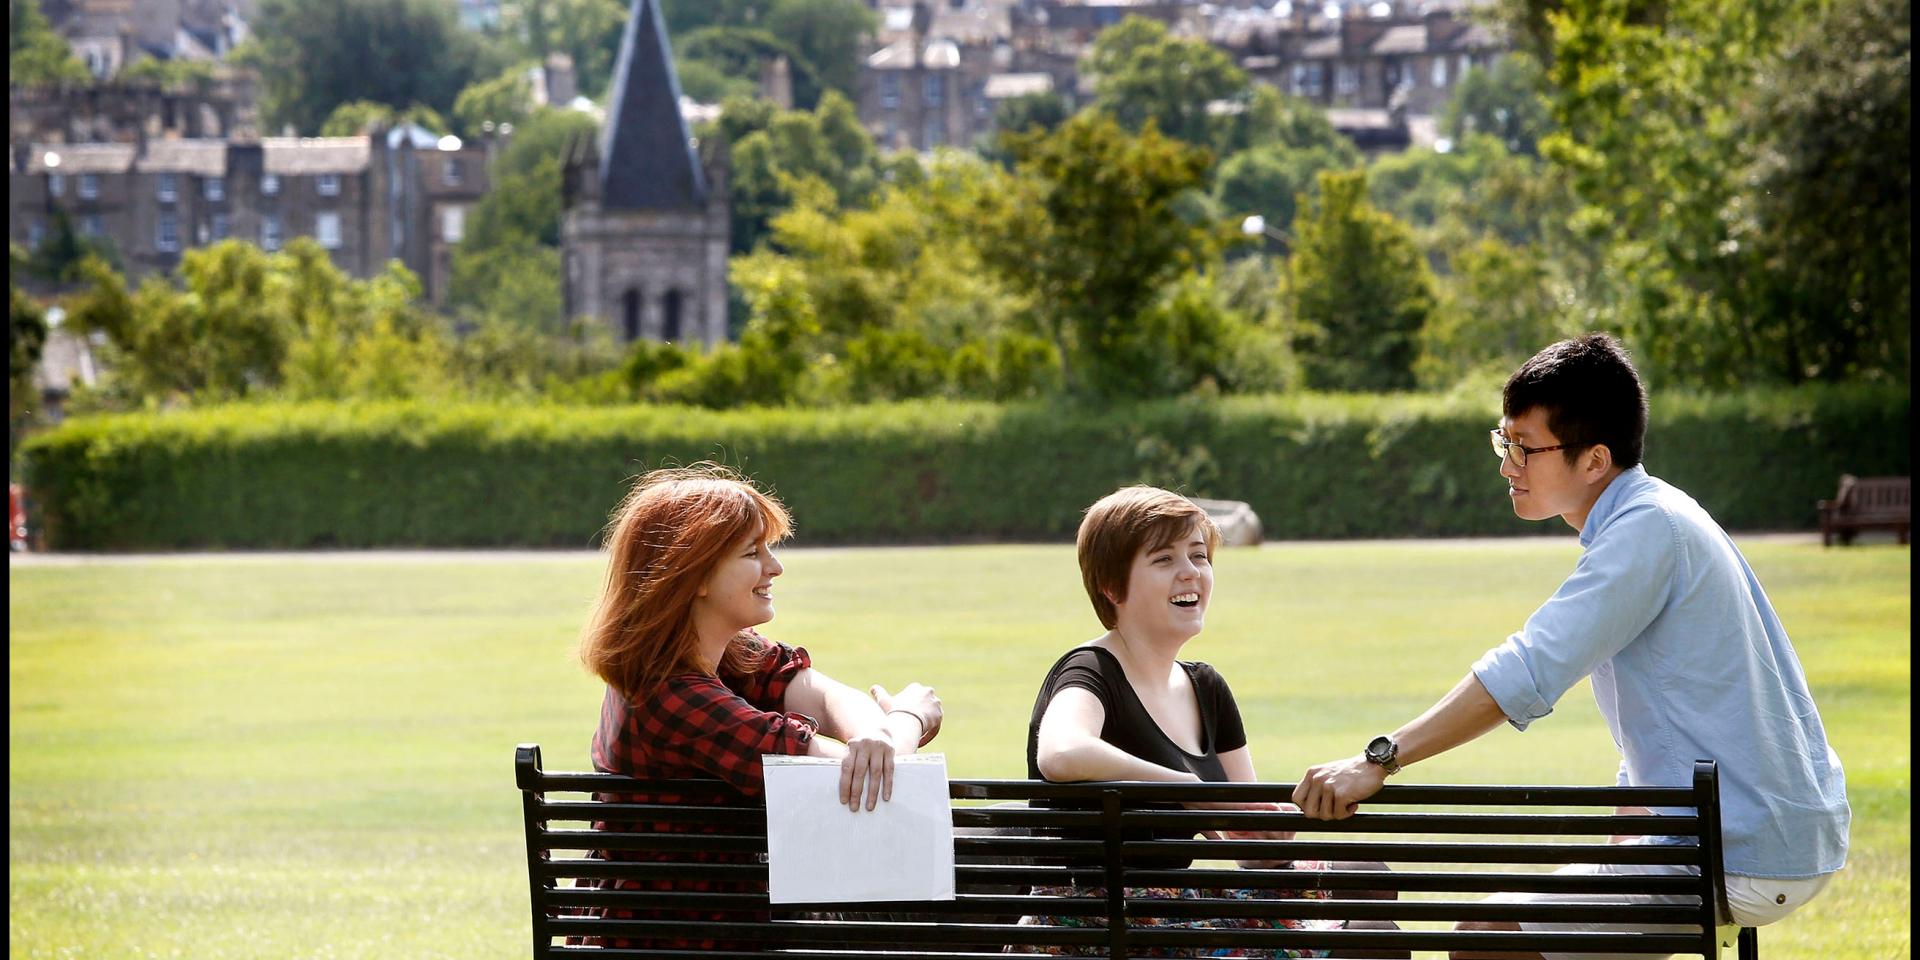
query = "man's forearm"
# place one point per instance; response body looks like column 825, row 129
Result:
column 1467, row 712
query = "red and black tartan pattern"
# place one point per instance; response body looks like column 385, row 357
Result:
column 694, row 725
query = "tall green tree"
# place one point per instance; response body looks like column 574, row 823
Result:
column 1502, row 101
column 1361, row 288
column 508, row 264
column 1830, row 217
column 1087, row 231
column 36, row 55
column 829, row 35
column 26, row 338
column 588, row 31
column 774, row 151
column 352, row 119
column 1143, row 73
column 313, row 57
column 737, row 53
column 1655, row 122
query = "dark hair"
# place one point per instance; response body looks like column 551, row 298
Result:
column 1118, row 526
column 1592, row 395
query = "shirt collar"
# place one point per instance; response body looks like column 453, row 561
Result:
column 1610, row 500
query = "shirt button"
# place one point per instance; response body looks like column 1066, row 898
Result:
column 1781, row 899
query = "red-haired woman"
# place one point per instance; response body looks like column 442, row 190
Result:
column 692, row 690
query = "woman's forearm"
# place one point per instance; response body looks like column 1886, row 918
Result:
column 846, row 713
column 1090, row 758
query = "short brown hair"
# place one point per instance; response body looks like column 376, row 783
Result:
column 662, row 544
column 1122, row 523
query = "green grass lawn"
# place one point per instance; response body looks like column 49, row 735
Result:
column 310, row 756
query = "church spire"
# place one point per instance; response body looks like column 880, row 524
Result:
column 647, row 159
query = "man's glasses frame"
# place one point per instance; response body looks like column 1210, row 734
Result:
column 1508, row 450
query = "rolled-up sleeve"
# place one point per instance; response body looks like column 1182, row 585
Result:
column 766, row 685
column 1620, row 584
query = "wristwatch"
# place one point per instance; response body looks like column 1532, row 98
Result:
column 1383, row 751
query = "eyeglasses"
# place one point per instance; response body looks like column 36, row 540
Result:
column 1508, row 450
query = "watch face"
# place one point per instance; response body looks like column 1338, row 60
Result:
column 1380, row 749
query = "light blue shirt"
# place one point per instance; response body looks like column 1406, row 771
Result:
column 1689, row 662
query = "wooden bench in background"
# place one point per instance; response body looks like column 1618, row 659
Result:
column 1474, row 847
column 1867, row 503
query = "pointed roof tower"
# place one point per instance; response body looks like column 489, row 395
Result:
column 647, row 159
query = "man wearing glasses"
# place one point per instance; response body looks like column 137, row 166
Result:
column 1687, row 657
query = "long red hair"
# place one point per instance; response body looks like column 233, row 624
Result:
column 663, row 542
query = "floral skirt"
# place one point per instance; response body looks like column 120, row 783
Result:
column 1184, row 923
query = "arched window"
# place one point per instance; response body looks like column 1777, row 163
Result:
column 670, row 322
column 630, row 314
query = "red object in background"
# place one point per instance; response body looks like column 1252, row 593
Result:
column 16, row 517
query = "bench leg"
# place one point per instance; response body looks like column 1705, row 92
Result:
column 1749, row 944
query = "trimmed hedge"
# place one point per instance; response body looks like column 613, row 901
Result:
column 1312, row 466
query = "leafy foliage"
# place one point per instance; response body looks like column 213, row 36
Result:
column 1312, row 466
column 36, row 55
column 1362, row 288
column 313, row 57
column 1086, row 231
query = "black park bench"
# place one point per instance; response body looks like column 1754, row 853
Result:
column 1476, row 845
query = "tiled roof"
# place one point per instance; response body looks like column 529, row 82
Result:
column 897, row 55
column 306, row 156
column 1001, row 86
column 1406, row 38
column 81, row 158
column 204, row 158
column 1321, row 48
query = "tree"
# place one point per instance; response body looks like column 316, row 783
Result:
column 829, row 35
column 1832, row 195
column 1362, row 288
column 353, row 119
column 313, row 57
column 1086, row 230
column 58, row 258
column 36, row 55
column 509, row 255
column 26, row 338
column 1502, row 101
column 734, row 51
column 1143, row 73
column 773, row 152
column 1500, row 305
column 588, row 31
column 1269, row 180
column 901, row 303
column 245, row 323
column 170, row 74
column 507, row 98
column 1042, row 111
column 1655, row 123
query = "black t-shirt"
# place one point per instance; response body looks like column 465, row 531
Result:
column 1130, row 727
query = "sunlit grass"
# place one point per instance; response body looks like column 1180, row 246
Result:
column 309, row 756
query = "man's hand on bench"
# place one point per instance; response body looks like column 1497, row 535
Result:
column 1333, row 791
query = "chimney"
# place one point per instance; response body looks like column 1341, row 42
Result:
column 562, row 84
column 776, row 82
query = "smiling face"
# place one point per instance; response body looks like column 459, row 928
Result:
column 738, row 594
column 1168, row 587
column 1549, row 486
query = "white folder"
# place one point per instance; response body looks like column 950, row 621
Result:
column 819, row 851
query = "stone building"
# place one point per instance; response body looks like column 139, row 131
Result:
column 392, row 194
column 645, row 233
